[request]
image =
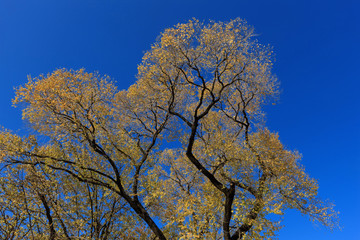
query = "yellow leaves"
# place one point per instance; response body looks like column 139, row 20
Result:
column 201, row 87
column 167, row 40
column 275, row 208
column 12, row 146
column 66, row 101
column 179, row 35
column 190, row 203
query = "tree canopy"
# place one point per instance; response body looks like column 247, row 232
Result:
column 184, row 153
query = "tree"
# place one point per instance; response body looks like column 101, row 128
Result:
column 185, row 147
column 36, row 205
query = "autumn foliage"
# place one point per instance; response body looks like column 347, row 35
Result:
column 182, row 154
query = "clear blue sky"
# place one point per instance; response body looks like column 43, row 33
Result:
column 317, row 50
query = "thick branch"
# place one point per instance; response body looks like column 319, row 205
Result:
column 228, row 211
column 198, row 165
column 48, row 216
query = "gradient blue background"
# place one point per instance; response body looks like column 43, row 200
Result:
column 317, row 61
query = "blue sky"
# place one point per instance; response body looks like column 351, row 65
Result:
column 316, row 44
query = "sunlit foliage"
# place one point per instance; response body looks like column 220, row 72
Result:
column 182, row 154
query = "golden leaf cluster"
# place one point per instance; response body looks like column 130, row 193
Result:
column 184, row 153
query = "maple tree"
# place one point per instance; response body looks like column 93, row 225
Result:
column 182, row 154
